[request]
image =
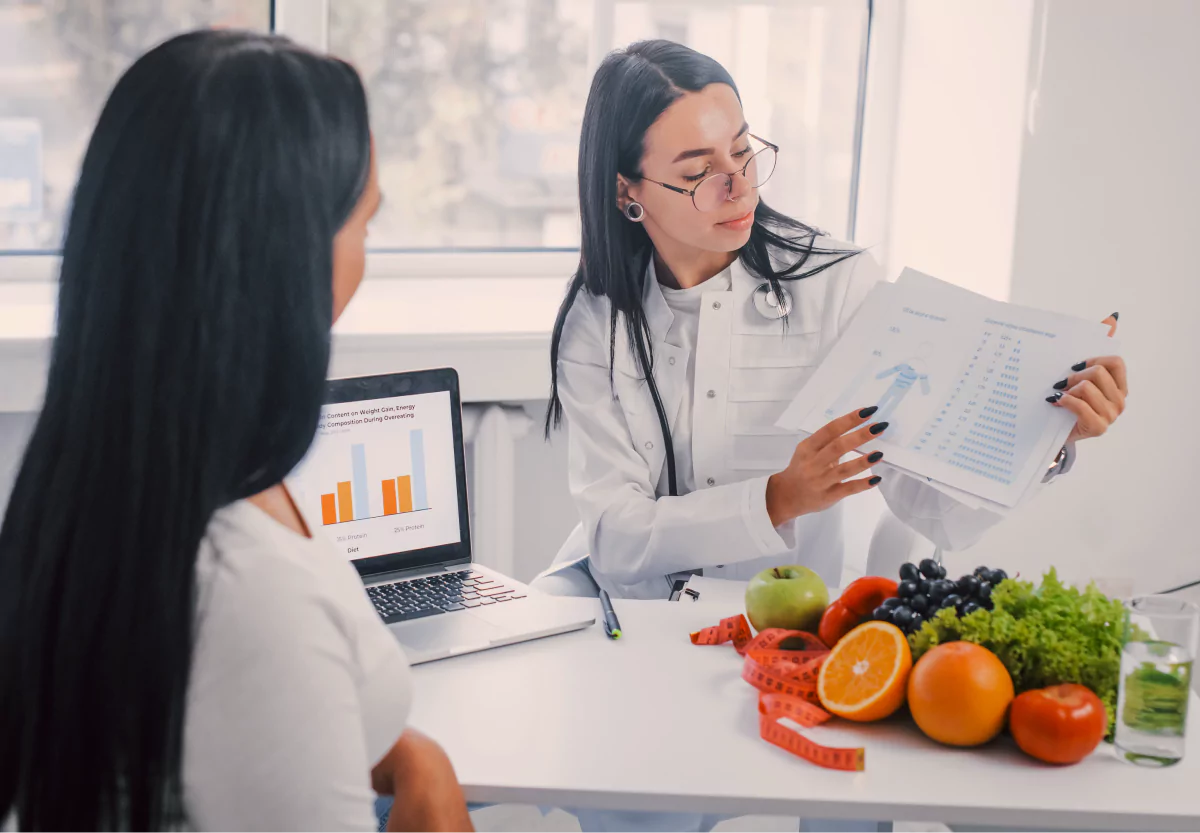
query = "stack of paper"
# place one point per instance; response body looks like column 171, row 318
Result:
column 962, row 381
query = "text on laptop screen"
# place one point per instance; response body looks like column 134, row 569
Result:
column 380, row 475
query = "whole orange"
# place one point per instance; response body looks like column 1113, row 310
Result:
column 959, row 694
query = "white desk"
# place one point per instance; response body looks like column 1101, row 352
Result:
column 652, row 722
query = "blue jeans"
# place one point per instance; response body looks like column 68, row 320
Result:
column 383, row 809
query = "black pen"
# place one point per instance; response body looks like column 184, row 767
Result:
column 612, row 625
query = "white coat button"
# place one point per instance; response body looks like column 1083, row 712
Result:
column 716, row 304
column 712, row 481
column 712, row 394
column 649, row 446
column 671, row 360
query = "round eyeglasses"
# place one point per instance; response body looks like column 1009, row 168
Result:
column 713, row 191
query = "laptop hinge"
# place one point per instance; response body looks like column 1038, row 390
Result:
column 416, row 572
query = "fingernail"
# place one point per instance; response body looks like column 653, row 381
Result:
column 1079, row 368
column 875, row 481
column 1053, row 400
column 1116, row 316
column 879, row 427
column 1061, row 385
column 876, row 457
column 866, row 412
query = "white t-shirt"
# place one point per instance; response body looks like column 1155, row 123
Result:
column 297, row 688
column 685, row 332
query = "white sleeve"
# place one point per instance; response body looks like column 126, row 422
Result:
column 634, row 535
column 275, row 733
column 949, row 524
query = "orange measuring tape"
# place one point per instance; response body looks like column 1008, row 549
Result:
column 787, row 682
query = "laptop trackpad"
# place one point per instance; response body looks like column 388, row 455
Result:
column 437, row 636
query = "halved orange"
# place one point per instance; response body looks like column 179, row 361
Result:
column 865, row 675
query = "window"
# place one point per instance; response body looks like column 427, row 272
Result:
column 476, row 104
column 58, row 61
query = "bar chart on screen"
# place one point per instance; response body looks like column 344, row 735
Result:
column 380, row 475
column 400, row 495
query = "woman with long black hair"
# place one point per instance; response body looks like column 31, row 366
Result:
column 696, row 314
column 176, row 648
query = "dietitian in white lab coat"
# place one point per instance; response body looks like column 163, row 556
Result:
column 723, row 309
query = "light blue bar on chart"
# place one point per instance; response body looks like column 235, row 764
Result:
column 420, row 496
column 358, row 466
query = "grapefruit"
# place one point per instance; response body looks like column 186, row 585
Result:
column 959, row 694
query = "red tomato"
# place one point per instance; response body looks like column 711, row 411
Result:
column 1059, row 725
column 851, row 609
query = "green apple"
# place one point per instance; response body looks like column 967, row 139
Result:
column 791, row 597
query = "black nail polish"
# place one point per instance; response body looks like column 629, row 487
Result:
column 866, row 412
column 875, row 481
column 1116, row 316
column 1061, row 385
column 1079, row 368
column 876, row 457
column 1053, row 400
column 879, row 427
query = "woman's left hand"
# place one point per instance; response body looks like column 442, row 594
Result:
column 1095, row 392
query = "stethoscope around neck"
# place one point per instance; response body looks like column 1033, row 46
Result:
column 771, row 305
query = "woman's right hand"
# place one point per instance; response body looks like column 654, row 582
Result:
column 814, row 479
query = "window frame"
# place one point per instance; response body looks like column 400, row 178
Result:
column 306, row 21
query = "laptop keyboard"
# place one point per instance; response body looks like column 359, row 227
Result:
column 439, row 593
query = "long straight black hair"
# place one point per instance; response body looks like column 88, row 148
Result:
column 195, row 302
column 630, row 90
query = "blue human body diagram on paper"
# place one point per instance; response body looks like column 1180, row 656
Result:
column 906, row 376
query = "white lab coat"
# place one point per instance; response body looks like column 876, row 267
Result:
column 748, row 368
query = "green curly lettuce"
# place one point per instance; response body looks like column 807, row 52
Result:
column 1045, row 636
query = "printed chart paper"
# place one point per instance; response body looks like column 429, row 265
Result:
column 961, row 379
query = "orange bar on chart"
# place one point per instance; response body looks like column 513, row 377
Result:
column 328, row 510
column 405, row 486
column 389, row 497
column 345, row 502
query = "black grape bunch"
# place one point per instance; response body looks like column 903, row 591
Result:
column 924, row 590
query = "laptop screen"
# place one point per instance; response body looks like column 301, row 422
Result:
column 381, row 478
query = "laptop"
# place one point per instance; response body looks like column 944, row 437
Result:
column 386, row 477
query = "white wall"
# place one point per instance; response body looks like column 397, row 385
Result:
column 1107, row 218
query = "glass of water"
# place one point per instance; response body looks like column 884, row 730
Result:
column 1161, row 635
